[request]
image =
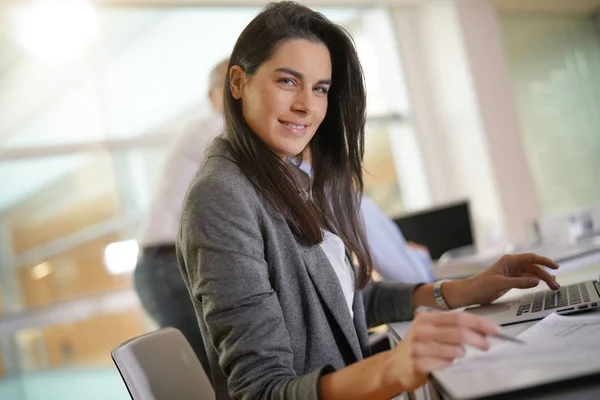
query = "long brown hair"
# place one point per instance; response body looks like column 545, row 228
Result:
column 337, row 147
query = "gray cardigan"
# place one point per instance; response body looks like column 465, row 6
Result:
column 271, row 310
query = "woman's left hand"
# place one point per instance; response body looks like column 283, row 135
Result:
column 520, row 271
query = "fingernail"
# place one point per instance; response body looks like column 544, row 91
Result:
column 493, row 328
column 534, row 281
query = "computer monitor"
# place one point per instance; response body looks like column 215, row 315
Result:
column 439, row 228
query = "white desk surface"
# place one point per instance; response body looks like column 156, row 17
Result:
column 574, row 272
column 452, row 272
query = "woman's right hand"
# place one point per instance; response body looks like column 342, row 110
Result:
column 433, row 341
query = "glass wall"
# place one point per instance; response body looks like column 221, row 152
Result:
column 62, row 310
column 89, row 97
column 555, row 68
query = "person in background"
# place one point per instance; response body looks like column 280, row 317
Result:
column 279, row 271
column 394, row 259
column 157, row 278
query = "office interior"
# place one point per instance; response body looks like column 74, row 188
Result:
column 492, row 102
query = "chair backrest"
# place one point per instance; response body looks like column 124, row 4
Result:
column 162, row 365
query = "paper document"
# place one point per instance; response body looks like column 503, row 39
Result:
column 557, row 328
column 555, row 339
column 557, row 348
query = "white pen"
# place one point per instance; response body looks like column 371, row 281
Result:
column 499, row 335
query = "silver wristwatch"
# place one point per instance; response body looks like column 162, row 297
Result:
column 437, row 294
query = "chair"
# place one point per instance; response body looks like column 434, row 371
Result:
column 162, row 365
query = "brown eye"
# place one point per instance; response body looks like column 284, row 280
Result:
column 286, row 81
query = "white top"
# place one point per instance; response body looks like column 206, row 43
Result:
column 184, row 158
column 335, row 251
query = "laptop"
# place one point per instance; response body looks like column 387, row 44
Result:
column 568, row 299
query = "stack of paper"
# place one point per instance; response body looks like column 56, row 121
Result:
column 555, row 339
column 556, row 348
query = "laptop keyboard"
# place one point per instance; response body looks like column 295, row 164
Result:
column 550, row 299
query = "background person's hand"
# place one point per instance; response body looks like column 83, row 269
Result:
column 519, row 271
column 417, row 246
column 433, row 341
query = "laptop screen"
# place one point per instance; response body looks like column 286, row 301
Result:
column 440, row 228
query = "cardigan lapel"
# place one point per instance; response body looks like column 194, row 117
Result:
column 326, row 281
column 360, row 323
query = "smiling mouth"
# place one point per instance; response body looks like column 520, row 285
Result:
column 293, row 125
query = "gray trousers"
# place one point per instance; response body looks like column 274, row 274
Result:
column 164, row 296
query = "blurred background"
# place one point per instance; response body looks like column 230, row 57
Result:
column 496, row 102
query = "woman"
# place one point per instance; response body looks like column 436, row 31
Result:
column 266, row 255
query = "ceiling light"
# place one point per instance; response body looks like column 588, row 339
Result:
column 41, row 271
column 121, row 257
column 54, row 30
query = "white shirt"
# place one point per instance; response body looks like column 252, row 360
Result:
column 183, row 160
column 335, row 251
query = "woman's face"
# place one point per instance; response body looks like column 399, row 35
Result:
column 285, row 101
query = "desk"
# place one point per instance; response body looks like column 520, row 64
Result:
column 571, row 265
column 576, row 390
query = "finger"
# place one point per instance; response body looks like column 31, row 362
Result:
column 462, row 319
column 437, row 350
column 451, row 335
column 531, row 258
column 528, row 275
column 540, row 272
column 518, row 282
column 426, row 365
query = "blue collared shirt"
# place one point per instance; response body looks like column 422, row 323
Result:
column 392, row 258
